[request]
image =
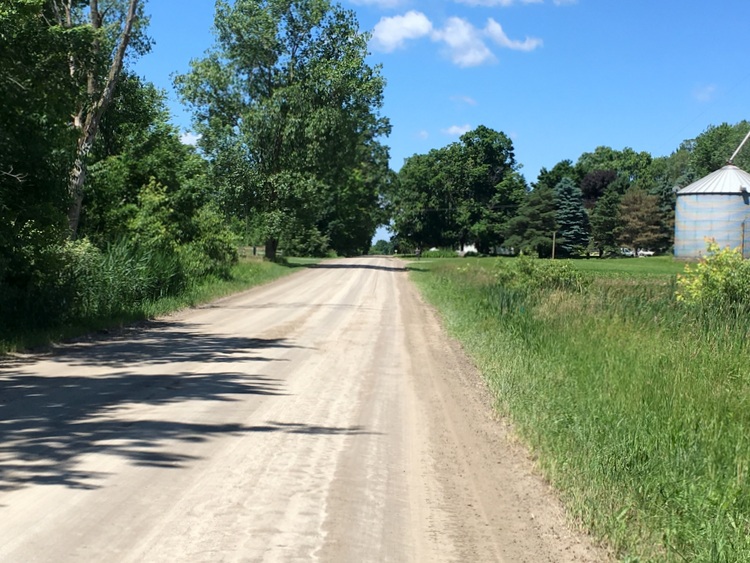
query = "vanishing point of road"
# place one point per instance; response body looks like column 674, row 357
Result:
column 323, row 417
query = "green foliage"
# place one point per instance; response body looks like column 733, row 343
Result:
column 712, row 148
column 548, row 179
column 571, row 219
column 107, row 312
column 635, row 408
column 121, row 279
column 306, row 242
column 288, row 111
column 528, row 273
column 461, row 194
column 33, row 291
column 439, row 254
column 212, row 250
column 35, row 148
column 382, row 247
column 639, row 221
column 627, row 163
column 530, row 231
column 722, row 277
column 605, row 222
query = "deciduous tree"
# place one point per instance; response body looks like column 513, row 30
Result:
column 464, row 193
column 109, row 29
column 285, row 102
column 594, row 184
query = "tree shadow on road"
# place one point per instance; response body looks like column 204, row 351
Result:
column 336, row 266
column 298, row 428
column 47, row 423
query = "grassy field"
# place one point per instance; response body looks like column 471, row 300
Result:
column 631, row 267
column 636, row 408
column 249, row 272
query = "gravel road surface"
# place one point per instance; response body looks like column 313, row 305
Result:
column 324, row 417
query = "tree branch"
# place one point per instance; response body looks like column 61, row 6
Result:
column 10, row 174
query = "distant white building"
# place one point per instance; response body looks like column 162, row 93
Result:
column 467, row 248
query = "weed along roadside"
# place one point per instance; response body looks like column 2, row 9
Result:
column 634, row 402
column 246, row 273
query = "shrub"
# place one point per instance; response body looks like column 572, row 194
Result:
column 213, row 250
column 439, row 254
column 721, row 277
column 534, row 273
column 35, row 290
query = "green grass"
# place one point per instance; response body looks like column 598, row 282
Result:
column 637, row 410
column 647, row 266
column 247, row 273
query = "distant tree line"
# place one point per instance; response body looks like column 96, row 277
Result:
column 472, row 192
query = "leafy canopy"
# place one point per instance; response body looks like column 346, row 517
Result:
column 288, row 112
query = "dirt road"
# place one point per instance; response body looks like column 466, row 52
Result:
column 324, row 417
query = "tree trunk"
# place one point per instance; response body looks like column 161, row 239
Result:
column 272, row 245
column 78, row 173
column 90, row 124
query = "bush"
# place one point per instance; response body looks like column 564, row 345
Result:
column 35, row 290
column 439, row 254
column 307, row 242
column 534, row 273
column 213, row 250
column 722, row 277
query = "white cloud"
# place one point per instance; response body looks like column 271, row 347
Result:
column 189, row 138
column 705, row 93
column 465, row 44
column 495, row 31
column 457, row 130
column 392, row 33
column 564, row 2
column 469, row 101
column 423, row 134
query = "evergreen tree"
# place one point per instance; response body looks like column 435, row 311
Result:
column 640, row 221
column 572, row 220
column 530, row 231
column 605, row 220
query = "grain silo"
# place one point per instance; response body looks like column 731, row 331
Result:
column 715, row 207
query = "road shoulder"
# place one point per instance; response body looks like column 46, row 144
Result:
column 500, row 508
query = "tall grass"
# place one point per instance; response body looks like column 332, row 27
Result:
column 130, row 286
column 636, row 407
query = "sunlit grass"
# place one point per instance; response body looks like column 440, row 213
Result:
column 636, row 408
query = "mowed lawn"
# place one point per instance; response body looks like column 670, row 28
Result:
column 635, row 406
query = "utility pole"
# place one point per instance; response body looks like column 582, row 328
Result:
column 554, row 242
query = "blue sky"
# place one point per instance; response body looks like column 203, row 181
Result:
column 559, row 77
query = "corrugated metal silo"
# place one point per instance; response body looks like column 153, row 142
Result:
column 717, row 207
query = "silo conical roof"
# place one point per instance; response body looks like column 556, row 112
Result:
column 726, row 180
